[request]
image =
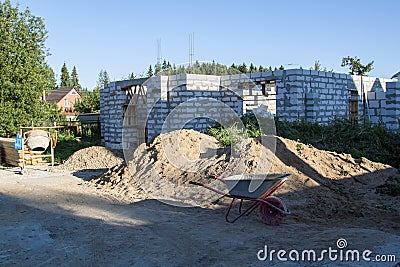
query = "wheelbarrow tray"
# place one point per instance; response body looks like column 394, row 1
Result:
column 240, row 185
column 255, row 188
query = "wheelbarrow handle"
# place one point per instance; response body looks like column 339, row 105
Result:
column 218, row 178
column 208, row 187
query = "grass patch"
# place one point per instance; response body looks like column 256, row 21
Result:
column 374, row 142
column 67, row 144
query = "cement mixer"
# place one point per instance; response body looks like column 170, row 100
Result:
column 37, row 140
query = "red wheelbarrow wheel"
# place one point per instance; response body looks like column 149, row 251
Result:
column 268, row 214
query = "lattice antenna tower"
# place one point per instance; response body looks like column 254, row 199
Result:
column 191, row 48
column 159, row 55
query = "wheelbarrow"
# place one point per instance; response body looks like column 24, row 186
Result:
column 271, row 209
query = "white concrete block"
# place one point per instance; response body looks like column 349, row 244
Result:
column 374, row 104
column 294, row 72
column 371, row 96
column 380, row 95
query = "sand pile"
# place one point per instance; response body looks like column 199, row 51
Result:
column 117, row 181
column 323, row 185
column 95, row 157
column 104, row 170
column 329, row 185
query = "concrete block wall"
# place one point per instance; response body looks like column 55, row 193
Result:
column 249, row 88
column 188, row 103
column 319, row 96
column 315, row 96
column 375, row 94
column 111, row 103
column 392, row 117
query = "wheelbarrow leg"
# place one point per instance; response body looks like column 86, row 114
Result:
column 229, row 210
column 246, row 212
column 240, row 206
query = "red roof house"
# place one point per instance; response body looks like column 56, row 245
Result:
column 65, row 98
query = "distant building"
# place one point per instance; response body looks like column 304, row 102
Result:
column 65, row 98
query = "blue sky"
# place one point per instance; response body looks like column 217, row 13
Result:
column 121, row 36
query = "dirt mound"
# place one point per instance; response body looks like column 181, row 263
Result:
column 95, row 157
column 117, row 181
column 329, row 185
column 323, row 184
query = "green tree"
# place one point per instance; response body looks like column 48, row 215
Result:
column 157, row 69
column 131, row 76
column 252, row 68
column 355, row 66
column 24, row 73
column 164, row 65
column 90, row 102
column 317, row 66
column 243, row 68
column 150, row 72
column 65, row 78
column 91, row 99
column 74, row 78
column 281, row 67
column 103, row 79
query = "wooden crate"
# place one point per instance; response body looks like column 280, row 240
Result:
column 10, row 156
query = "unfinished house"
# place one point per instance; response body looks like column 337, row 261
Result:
column 136, row 111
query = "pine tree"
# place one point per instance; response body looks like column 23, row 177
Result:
column 243, row 68
column 157, row 69
column 150, row 72
column 74, row 78
column 102, row 80
column 24, row 73
column 131, row 76
column 91, row 99
column 164, row 65
column 252, row 68
column 65, row 78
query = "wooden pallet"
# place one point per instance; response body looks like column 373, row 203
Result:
column 10, row 156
